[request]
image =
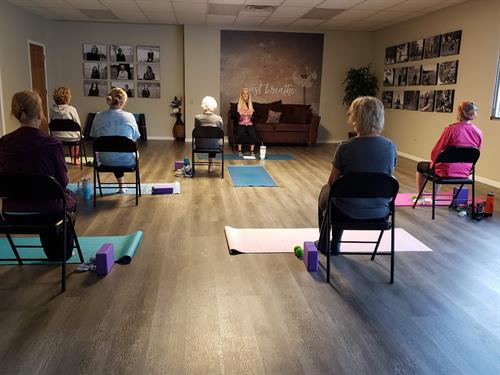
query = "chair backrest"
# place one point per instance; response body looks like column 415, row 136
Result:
column 29, row 187
column 88, row 125
column 365, row 185
column 455, row 154
column 64, row 125
column 208, row 132
column 114, row 143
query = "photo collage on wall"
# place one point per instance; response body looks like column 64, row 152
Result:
column 116, row 66
column 427, row 73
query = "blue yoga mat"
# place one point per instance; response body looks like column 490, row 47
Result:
column 124, row 246
column 146, row 189
column 257, row 157
column 250, row 175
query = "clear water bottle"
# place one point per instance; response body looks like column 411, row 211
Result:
column 187, row 166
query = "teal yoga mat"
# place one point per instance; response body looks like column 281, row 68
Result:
column 146, row 189
column 125, row 248
column 236, row 157
column 250, row 175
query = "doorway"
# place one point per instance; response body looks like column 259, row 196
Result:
column 38, row 77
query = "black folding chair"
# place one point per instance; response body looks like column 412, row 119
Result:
column 202, row 133
column 72, row 126
column 452, row 154
column 115, row 144
column 363, row 185
column 35, row 188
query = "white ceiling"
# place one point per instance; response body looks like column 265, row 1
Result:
column 353, row 15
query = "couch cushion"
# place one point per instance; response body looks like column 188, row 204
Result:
column 295, row 113
column 263, row 127
column 261, row 110
column 282, row 127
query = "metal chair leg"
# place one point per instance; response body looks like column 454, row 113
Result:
column 14, row 249
column 377, row 245
column 433, row 198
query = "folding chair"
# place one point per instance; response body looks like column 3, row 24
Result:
column 72, row 126
column 452, row 154
column 35, row 188
column 202, row 133
column 115, row 144
column 363, row 185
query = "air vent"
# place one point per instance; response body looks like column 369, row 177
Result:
column 259, row 9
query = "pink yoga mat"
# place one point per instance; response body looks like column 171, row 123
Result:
column 406, row 199
column 283, row 240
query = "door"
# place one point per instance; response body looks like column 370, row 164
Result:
column 38, row 79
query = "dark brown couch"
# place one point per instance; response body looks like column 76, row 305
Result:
column 297, row 124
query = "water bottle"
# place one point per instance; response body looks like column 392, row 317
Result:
column 187, row 166
column 86, row 188
column 490, row 204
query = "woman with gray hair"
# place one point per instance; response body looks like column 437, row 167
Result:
column 209, row 118
column 367, row 152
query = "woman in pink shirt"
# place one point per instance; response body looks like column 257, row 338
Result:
column 463, row 133
column 245, row 129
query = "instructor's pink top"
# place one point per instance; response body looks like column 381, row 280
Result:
column 459, row 134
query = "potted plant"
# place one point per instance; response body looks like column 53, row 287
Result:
column 179, row 130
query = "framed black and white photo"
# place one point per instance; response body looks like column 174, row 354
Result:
column 444, row 101
column 387, row 99
column 148, row 54
column 388, row 77
column 411, row 100
column 426, row 101
column 121, row 53
column 123, row 71
column 128, row 87
column 390, row 55
column 95, row 88
column 95, row 70
column 450, row 43
column 148, row 72
column 416, row 50
column 447, row 73
column 148, row 90
column 94, row 52
column 400, row 76
column 402, row 53
column 429, row 74
column 414, row 75
column 431, row 47
column 398, row 99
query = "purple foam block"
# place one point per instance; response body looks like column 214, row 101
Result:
column 462, row 197
column 104, row 259
column 310, row 256
column 164, row 190
column 179, row 164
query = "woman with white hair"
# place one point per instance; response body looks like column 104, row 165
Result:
column 209, row 118
column 369, row 152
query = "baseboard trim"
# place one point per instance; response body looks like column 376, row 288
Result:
column 160, row 138
column 330, row 141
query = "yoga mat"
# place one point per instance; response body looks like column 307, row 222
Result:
column 146, row 189
column 124, row 246
column 283, row 240
column 406, row 199
column 257, row 157
column 250, row 175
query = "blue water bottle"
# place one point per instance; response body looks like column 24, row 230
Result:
column 86, row 188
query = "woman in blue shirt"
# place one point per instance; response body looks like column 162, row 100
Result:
column 116, row 121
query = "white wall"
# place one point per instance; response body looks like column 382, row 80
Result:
column 68, row 39
column 414, row 132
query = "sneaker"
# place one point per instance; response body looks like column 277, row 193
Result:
column 240, row 154
column 121, row 191
column 252, row 154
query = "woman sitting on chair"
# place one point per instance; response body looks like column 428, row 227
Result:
column 244, row 127
column 209, row 118
column 30, row 150
column 462, row 133
column 368, row 152
column 116, row 121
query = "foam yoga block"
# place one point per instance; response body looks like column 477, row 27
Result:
column 462, row 197
column 179, row 164
column 162, row 190
column 105, row 258
column 310, row 256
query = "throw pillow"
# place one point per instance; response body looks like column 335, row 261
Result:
column 273, row 117
column 261, row 110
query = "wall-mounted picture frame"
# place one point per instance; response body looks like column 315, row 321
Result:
column 388, row 77
column 397, row 99
column 450, row 43
column 426, row 101
column 402, row 53
column 148, row 90
column 148, row 54
column 414, row 75
column 432, row 46
column 390, row 55
column 122, row 71
column 411, row 100
column 416, row 50
column 95, row 88
column 429, row 74
column 94, row 52
column 128, row 87
column 121, row 53
column 444, row 101
column 95, row 70
column 148, row 72
column 387, row 99
column 447, row 72
column 400, row 76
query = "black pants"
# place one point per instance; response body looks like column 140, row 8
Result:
column 424, row 167
column 245, row 135
column 323, row 244
column 119, row 174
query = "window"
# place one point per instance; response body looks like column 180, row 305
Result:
column 496, row 97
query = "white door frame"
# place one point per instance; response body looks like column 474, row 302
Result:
column 29, row 41
column 2, row 116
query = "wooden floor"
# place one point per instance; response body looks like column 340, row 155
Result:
column 185, row 306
